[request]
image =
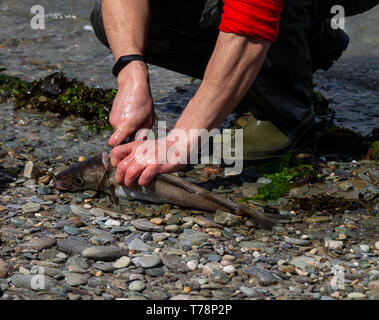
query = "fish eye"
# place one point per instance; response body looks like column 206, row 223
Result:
column 77, row 180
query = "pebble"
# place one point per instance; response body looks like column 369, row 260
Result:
column 229, row 269
column 265, row 277
column 103, row 266
column 377, row 245
column 71, row 230
column 103, row 235
column 356, row 295
column 149, row 261
column 31, row 207
column 104, row 253
column 122, row 262
column 138, row 245
column 38, row 243
column 364, row 248
column 297, row 242
column 173, row 228
column 72, row 246
column 78, row 262
column 79, row 212
column 250, row 292
column 76, row 279
column 173, row 262
column 317, row 219
column 137, row 286
column 196, row 237
column 33, row 282
column 145, row 225
column 4, row 269
column 345, row 186
column 192, row 264
column 253, row 244
column 333, row 244
column 374, row 286
column 207, row 223
column 226, row 218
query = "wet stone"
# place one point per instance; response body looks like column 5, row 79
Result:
column 155, row 272
column 76, row 279
column 136, row 285
column 149, row 261
column 4, row 269
column 104, row 253
column 38, row 244
column 78, row 262
column 265, row 277
column 122, row 262
column 174, row 263
column 104, row 236
column 145, row 225
column 62, row 209
column 30, row 282
column 71, row 230
column 196, row 237
column 226, row 218
column 253, row 244
column 297, row 242
column 103, row 266
column 31, row 207
column 138, row 245
column 72, row 245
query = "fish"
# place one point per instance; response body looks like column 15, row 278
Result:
column 97, row 173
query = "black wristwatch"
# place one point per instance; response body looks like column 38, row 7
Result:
column 124, row 60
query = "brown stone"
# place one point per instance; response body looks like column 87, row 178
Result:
column 374, row 286
column 4, row 269
column 207, row 223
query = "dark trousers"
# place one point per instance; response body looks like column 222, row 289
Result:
column 183, row 34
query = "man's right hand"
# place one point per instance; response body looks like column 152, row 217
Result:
column 133, row 106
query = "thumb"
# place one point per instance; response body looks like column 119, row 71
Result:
column 119, row 136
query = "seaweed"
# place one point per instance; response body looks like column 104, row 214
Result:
column 280, row 182
column 373, row 152
column 283, row 173
column 57, row 94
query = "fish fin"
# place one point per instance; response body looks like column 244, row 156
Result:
column 105, row 159
column 107, row 165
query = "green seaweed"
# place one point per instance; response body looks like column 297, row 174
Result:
column 281, row 181
column 373, row 153
column 55, row 93
column 283, row 173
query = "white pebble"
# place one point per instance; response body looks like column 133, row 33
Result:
column 192, row 264
column 229, row 269
column 111, row 222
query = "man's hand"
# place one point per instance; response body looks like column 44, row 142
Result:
column 133, row 106
column 141, row 159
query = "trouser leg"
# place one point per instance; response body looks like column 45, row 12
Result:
column 182, row 33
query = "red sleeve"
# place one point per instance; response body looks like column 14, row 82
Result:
column 258, row 19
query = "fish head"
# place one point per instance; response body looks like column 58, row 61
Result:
column 85, row 175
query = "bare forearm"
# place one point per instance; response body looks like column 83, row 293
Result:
column 231, row 70
column 126, row 24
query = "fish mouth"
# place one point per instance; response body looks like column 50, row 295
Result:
column 61, row 186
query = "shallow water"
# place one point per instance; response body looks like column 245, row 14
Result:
column 69, row 44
